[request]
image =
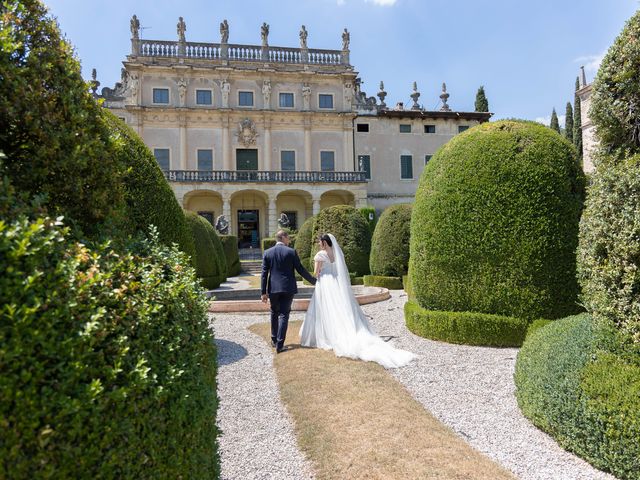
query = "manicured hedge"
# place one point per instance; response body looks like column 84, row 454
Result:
column 108, row 364
column 575, row 383
column 494, row 227
column 230, row 247
column 267, row 243
column 352, row 233
column 609, row 250
column 51, row 129
column 149, row 198
column 614, row 94
column 207, row 266
column 219, row 254
column 392, row 283
column 305, row 241
column 390, row 242
column 469, row 328
column 368, row 212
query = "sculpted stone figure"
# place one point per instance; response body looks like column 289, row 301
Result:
column 283, row 221
column 181, row 28
column 266, row 93
column 346, row 38
column 306, row 96
column 264, row 33
column 224, row 31
column 182, row 91
column 303, row 37
column 135, row 27
column 222, row 225
column 225, row 87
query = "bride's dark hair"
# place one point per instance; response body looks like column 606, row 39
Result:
column 325, row 238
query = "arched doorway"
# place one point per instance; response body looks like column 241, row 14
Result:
column 206, row 203
column 249, row 212
column 337, row 197
column 296, row 204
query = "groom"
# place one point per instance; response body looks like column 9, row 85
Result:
column 279, row 281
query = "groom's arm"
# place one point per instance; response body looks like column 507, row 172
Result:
column 266, row 267
column 301, row 270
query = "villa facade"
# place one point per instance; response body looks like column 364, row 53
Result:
column 253, row 131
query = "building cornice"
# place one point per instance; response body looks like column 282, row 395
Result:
column 425, row 114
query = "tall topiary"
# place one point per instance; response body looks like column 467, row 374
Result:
column 390, row 242
column 219, row 255
column 231, row 254
column 51, row 128
column 577, row 121
column 494, row 227
column 149, row 198
column 568, row 122
column 615, row 101
column 305, row 240
column 351, row 230
column 207, row 266
column 554, row 124
column 369, row 214
column 481, row 103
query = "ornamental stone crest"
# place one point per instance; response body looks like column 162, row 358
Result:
column 247, row 132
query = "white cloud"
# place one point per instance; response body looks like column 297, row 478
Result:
column 382, row 3
column 547, row 120
column 591, row 62
column 340, row 2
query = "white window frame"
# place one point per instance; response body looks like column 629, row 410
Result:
column 213, row 157
column 324, row 109
column 153, row 150
column 405, row 133
column 320, row 160
column 295, row 159
column 153, row 102
column 370, row 163
column 203, row 105
column 430, row 155
column 294, row 101
column 247, row 90
column 412, row 169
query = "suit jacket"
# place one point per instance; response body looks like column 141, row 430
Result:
column 278, row 264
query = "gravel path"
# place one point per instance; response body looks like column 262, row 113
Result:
column 257, row 440
column 471, row 390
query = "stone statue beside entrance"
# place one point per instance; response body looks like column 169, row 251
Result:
column 283, row 221
column 222, row 225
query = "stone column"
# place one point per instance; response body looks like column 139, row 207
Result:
column 267, row 165
column 226, row 211
column 308, row 164
column 272, row 219
column 226, row 145
column 347, row 151
column 183, row 142
column 316, row 205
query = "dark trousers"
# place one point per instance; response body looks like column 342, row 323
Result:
column 280, row 309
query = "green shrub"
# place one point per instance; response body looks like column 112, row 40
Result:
column 390, row 242
column 149, row 198
column 352, row 233
column 207, row 266
column 267, row 243
column 108, row 364
column 609, row 250
column 406, row 284
column 219, row 255
column 615, row 94
column 367, row 213
column 494, row 227
column 469, row 328
column 51, row 129
column 357, row 280
column 537, row 324
column 230, row 247
column 392, row 283
column 305, row 241
column 587, row 397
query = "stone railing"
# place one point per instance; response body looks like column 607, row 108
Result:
column 242, row 53
column 242, row 176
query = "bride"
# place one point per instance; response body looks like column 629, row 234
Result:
column 335, row 321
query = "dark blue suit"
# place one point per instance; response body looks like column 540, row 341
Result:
column 279, row 281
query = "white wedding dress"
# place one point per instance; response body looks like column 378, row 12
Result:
column 335, row 321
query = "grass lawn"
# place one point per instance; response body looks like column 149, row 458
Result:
column 354, row 420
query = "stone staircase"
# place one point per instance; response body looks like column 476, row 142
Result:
column 252, row 267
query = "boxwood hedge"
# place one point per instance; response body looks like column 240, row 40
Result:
column 390, row 242
column 219, row 254
column 392, row 283
column 108, row 364
column 351, row 230
column 232, row 257
column 208, row 267
column 305, row 240
column 494, row 227
column 574, row 382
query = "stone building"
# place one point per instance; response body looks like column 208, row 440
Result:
column 254, row 131
column 589, row 141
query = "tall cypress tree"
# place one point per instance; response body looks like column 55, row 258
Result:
column 568, row 123
column 555, row 124
column 577, row 120
column 482, row 104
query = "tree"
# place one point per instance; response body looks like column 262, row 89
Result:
column 482, row 104
column 555, row 124
column 577, row 121
column 568, row 123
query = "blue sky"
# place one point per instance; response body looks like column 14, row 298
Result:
column 526, row 53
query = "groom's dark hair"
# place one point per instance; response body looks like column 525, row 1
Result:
column 281, row 235
column 326, row 238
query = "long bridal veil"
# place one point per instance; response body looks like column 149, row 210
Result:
column 335, row 321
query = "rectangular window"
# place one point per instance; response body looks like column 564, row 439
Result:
column 205, row 160
column 364, row 165
column 203, row 97
column 293, row 219
column 406, row 166
column 405, row 128
column 160, row 95
column 462, row 128
column 325, row 100
column 245, row 99
column 288, row 160
column 362, row 127
column 427, row 158
column 429, row 129
column 286, row 100
column 327, row 161
column 162, row 157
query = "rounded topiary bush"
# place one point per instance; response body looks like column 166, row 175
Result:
column 616, row 94
column 232, row 257
column 390, row 242
column 494, row 227
column 609, row 250
column 574, row 383
column 352, row 233
column 207, row 266
column 304, row 241
column 219, row 254
column 108, row 362
column 149, row 198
